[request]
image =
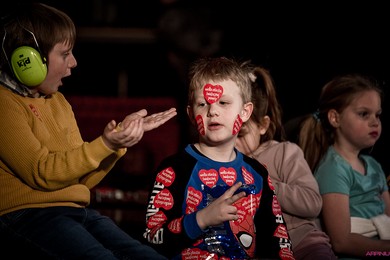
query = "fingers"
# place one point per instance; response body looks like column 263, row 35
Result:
column 234, row 198
column 133, row 126
column 150, row 122
column 222, row 209
column 133, row 116
column 155, row 120
column 171, row 111
column 111, row 125
column 164, row 116
column 230, row 192
column 142, row 112
column 125, row 137
column 133, row 133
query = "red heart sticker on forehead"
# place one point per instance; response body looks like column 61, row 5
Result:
column 212, row 93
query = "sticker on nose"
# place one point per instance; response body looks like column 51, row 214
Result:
column 212, row 93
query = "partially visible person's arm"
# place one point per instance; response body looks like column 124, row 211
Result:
column 297, row 189
column 386, row 198
column 337, row 221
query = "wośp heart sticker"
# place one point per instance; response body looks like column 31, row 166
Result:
column 212, row 93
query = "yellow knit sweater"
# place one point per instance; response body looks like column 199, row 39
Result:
column 43, row 160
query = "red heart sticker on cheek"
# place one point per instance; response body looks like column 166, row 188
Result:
column 199, row 122
column 212, row 93
column 237, row 125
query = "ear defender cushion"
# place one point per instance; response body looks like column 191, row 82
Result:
column 27, row 64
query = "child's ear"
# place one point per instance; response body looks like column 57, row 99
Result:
column 264, row 125
column 333, row 118
column 246, row 112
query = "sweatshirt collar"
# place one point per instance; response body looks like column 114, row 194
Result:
column 16, row 87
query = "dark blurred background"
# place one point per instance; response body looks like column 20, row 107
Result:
column 143, row 48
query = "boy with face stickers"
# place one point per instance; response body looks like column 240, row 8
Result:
column 210, row 201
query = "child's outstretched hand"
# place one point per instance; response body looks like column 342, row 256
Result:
column 150, row 122
column 221, row 209
column 117, row 137
column 130, row 131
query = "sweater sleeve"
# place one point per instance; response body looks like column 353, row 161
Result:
column 164, row 216
column 41, row 144
column 272, row 238
column 296, row 187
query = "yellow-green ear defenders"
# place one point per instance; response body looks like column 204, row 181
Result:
column 27, row 64
column 28, row 67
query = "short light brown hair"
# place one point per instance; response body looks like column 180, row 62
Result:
column 209, row 69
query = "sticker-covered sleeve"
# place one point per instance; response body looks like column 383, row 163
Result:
column 272, row 239
column 164, row 215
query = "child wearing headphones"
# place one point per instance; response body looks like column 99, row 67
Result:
column 46, row 169
column 210, row 201
column 335, row 139
column 263, row 138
